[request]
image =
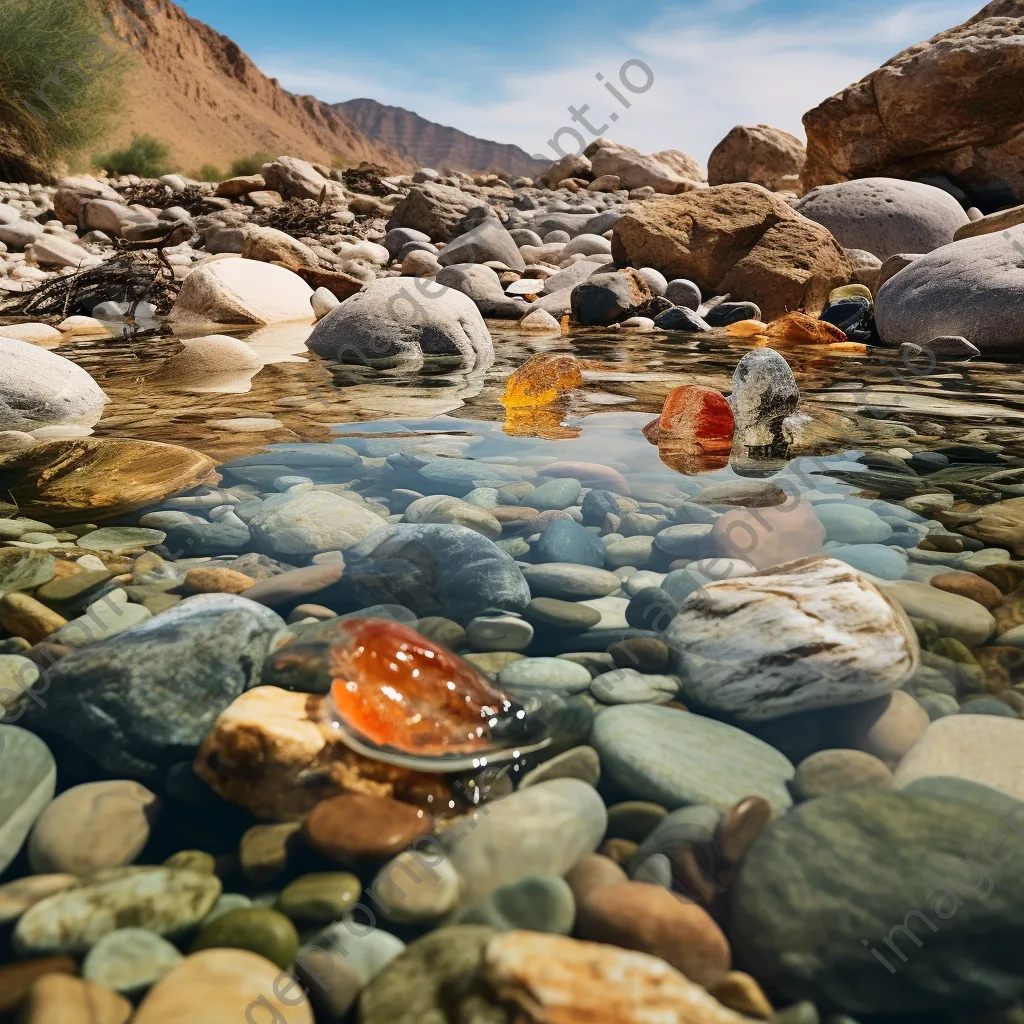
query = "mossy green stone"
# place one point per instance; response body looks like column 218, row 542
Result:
column 319, row 898
column 266, row 932
column 25, row 569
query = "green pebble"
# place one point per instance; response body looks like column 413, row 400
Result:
column 265, row 932
column 319, row 898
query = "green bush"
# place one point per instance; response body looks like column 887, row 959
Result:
column 60, row 76
column 208, row 173
column 249, row 164
column 146, row 157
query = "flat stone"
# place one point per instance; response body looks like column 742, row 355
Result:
column 24, row 570
column 955, row 616
column 836, row 771
column 355, row 828
column 166, row 901
column 577, row 763
column 675, row 758
column 888, row 868
column 17, row 896
column 566, row 581
column 498, row 633
column 222, row 985
column 30, row 779
column 319, row 898
column 980, row 748
column 567, row 615
column 544, row 674
column 129, row 961
column 121, row 538
column 92, row 827
column 628, row 686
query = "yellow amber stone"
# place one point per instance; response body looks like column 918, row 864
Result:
column 746, row 328
column 541, row 380
column 803, row 328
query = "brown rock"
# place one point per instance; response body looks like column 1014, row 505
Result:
column 1003, row 668
column 650, row 919
column 918, row 113
column 1010, row 612
column 98, row 477
column 618, row 850
column 340, row 285
column 1007, row 576
column 218, row 581
column 740, row 239
column 759, row 154
column 271, row 246
column 242, row 185
column 740, row 992
column 769, row 536
column 556, row 980
column 17, row 979
column 970, row 585
column 59, row 997
column 740, row 826
column 1001, row 525
column 808, row 330
column 993, row 222
column 273, row 752
column 355, row 829
column 92, row 827
column 592, row 872
column 435, row 209
column 296, row 583
column 682, row 163
column 219, row 985
column 28, row 618
column 637, row 170
column 264, row 849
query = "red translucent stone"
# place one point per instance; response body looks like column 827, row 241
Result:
column 393, row 688
column 694, row 419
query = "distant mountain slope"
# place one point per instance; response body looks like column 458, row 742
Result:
column 197, row 91
column 435, row 145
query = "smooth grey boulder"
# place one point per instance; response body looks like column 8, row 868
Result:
column 891, row 903
column 436, row 210
column 39, row 388
column 433, row 570
column 472, row 279
column 971, row 289
column 885, row 216
column 310, row 522
column 145, row 699
column 487, row 241
column 401, row 321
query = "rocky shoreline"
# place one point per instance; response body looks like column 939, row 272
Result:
column 575, row 715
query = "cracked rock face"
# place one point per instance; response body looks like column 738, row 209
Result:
column 810, row 634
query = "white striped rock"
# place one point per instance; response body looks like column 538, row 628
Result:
column 814, row 633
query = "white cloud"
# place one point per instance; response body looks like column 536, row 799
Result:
column 714, row 67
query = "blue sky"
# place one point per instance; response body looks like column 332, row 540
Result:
column 509, row 71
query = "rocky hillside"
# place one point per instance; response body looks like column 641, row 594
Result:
column 197, row 91
column 435, row 145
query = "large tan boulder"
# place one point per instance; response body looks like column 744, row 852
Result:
column 682, row 163
column 740, row 239
column 760, row 154
column 637, row 170
column 268, row 245
column 953, row 105
column 241, row 291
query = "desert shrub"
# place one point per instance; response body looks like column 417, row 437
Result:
column 208, row 173
column 249, row 164
column 146, row 157
column 60, row 76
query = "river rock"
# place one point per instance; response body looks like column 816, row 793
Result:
column 431, row 569
column 167, row 901
column 764, row 393
column 262, row 931
column 1001, row 524
column 568, row 581
column 866, row 902
column 310, row 522
column 980, row 748
column 969, row 289
column 885, row 216
column 59, row 997
column 146, row 698
column 224, row 984
column 955, row 616
column 442, row 508
column 486, row 242
column 676, row 758
column 30, row 778
column 813, row 634
column 241, row 291
column 130, row 961
column 544, row 829
column 39, row 388
column 565, row 979
column 216, row 363
column 767, row 537
column 100, row 477
column 91, row 827
column 540, row 903
column 565, row 540
column 435, row 210
column 835, row 771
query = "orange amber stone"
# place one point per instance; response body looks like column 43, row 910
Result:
column 804, row 328
column 694, row 419
column 542, row 379
column 392, row 688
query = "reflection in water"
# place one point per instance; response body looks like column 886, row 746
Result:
column 846, row 400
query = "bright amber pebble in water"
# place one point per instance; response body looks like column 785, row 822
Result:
column 395, row 688
column 542, row 379
column 694, row 419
